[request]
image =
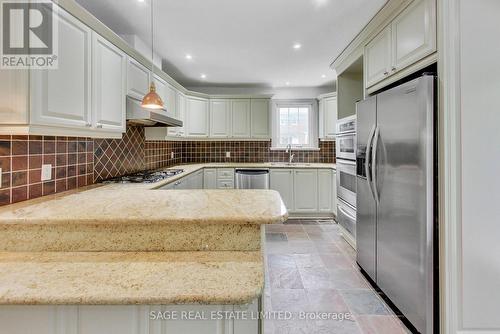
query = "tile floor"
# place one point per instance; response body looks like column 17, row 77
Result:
column 310, row 268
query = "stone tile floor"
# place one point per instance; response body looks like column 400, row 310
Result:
column 311, row 269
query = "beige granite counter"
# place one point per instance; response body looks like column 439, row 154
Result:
column 126, row 204
column 131, row 278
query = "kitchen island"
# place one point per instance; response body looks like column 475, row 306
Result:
column 131, row 259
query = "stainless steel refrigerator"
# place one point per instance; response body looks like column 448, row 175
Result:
column 395, row 196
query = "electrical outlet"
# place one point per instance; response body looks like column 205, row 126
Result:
column 46, row 172
column 228, row 154
column 171, row 155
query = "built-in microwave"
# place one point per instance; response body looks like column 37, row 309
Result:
column 346, row 138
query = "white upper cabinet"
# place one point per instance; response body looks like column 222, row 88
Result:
column 161, row 88
column 327, row 108
column 137, row 79
column 259, row 111
column 410, row 37
column 378, row 57
column 330, row 117
column 414, row 33
column 197, row 117
column 240, row 118
column 220, row 118
column 62, row 97
column 108, row 85
column 305, row 192
column 170, row 100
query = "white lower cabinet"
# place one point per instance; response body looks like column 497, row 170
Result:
column 305, row 190
column 210, row 178
column 281, row 180
column 325, row 190
column 128, row 319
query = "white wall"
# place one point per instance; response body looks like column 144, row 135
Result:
column 470, row 74
column 284, row 93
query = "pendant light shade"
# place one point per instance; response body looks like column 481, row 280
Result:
column 152, row 100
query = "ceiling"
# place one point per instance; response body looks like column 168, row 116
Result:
column 243, row 42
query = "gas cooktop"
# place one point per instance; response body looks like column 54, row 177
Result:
column 145, row 176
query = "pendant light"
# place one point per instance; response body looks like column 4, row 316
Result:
column 152, row 100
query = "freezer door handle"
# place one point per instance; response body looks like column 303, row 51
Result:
column 374, row 164
column 368, row 156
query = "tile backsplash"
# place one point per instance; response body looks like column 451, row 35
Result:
column 78, row 162
column 22, row 157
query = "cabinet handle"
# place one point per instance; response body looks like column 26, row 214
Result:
column 386, row 73
column 394, row 68
column 88, row 125
column 99, row 126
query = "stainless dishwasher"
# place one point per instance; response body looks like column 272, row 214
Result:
column 252, row 178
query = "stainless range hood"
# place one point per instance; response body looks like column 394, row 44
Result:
column 137, row 115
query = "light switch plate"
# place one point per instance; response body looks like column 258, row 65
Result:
column 228, row 154
column 46, row 172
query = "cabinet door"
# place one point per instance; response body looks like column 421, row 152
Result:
column 161, row 89
column 414, row 33
column 197, row 117
column 170, row 101
column 334, row 193
column 325, row 190
column 305, row 190
column 220, row 118
column 330, row 117
column 180, row 107
column 210, row 178
column 281, row 180
column 321, row 116
column 240, row 118
column 108, row 85
column 378, row 57
column 63, row 96
column 137, row 79
column 259, row 114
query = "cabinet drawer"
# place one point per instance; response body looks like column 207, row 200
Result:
column 225, row 184
column 225, row 173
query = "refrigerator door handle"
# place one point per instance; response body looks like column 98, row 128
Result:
column 374, row 164
column 368, row 156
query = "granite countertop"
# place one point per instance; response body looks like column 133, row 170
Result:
column 138, row 204
column 121, row 204
column 108, row 278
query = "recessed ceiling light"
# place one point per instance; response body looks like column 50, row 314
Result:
column 287, row 83
column 203, row 76
column 323, row 76
column 188, row 56
column 297, row 46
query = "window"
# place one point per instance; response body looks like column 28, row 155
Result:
column 294, row 124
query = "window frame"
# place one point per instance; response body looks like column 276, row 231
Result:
column 312, row 104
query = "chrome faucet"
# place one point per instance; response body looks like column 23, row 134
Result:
column 289, row 151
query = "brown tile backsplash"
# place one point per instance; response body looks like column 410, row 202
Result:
column 21, row 159
column 78, row 162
